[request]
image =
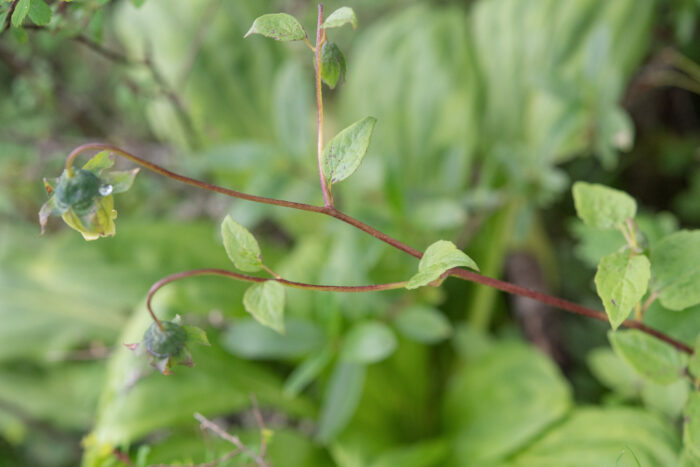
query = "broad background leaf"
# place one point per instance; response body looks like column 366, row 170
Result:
column 654, row 359
column 676, row 268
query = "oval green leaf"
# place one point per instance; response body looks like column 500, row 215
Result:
column 656, row 360
column 241, row 246
column 345, row 151
column 675, row 261
column 423, row 324
column 278, row 26
column 368, row 342
column 21, row 11
column 438, row 258
column 602, row 207
column 341, row 17
column 39, row 12
column 333, row 65
column 621, row 281
column 265, row 301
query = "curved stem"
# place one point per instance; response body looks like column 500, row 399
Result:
column 187, row 180
column 320, row 38
column 246, row 278
column 332, row 212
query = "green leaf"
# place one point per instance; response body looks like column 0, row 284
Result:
column 368, row 342
column 265, row 301
column 333, row 65
column 602, row 207
column 621, row 282
column 502, row 400
column 675, row 263
column 251, row 340
column 658, row 361
column 307, row 371
column 196, row 335
column 138, row 3
column 438, row 258
column 278, row 26
column 119, row 181
column 98, row 163
column 21, row 11
column 39, row 12
column 619, row 376
column 599, row 436
column 691, row 428
column 340, row 17
column 423, row 324
column 345, row 151
column 98, row 222
column 340, row 399
column 241, row 246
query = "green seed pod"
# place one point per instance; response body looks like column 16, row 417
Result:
column 165, row 343
column 78, row 191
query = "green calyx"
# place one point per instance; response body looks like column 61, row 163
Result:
column 167, row 342
column 77, row 191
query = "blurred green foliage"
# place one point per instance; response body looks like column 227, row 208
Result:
column 486, row 111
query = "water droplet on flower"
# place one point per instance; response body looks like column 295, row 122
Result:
column 105, row 190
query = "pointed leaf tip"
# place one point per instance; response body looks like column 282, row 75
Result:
column 440, row 257
column 341, row 17
column 277, row 26
column 265, row 301
column 344, row 153
column 241, row 246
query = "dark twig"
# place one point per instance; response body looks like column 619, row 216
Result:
column 164, row 87
column 8, row 18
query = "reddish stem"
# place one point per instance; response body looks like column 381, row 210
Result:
column 331, row 211
column 246, row 278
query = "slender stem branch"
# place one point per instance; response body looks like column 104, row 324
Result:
column 470, row 276
column 246, row 278
column 320, row 37
column 271, row 272
column 652, row 297
column 8, row 18
column 309, row 44
column 235, row 440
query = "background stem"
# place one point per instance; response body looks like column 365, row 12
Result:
column 320, row 37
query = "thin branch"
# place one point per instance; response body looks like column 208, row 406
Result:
column 332, row 212
column 163, row 86
column 261, row 425
column 8, row 18
column 246, row 278
column 235, row 440
column 320, row 37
